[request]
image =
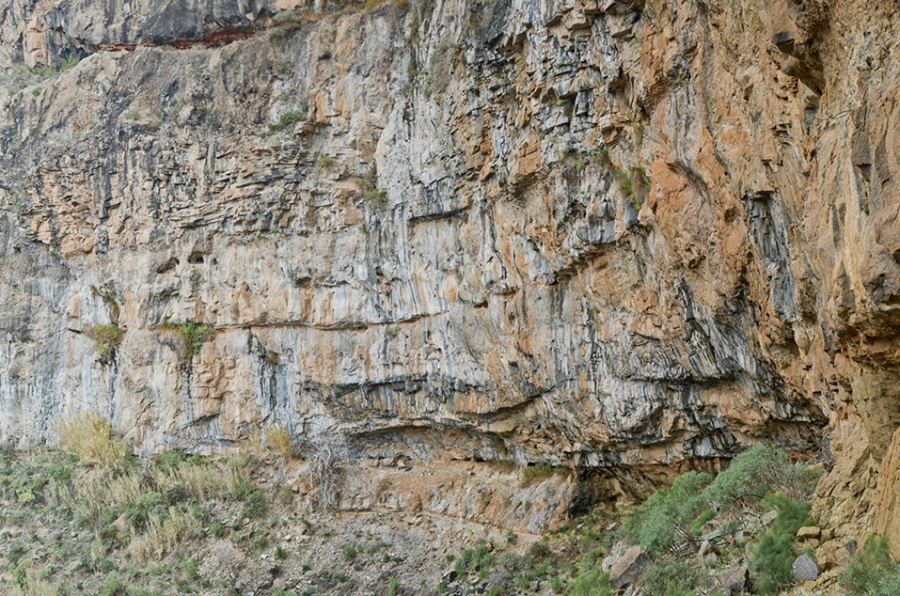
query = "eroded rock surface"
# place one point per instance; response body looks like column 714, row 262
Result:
column 593, row 233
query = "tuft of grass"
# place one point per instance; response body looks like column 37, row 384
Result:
column 193, row 336
column 107, row 337
column 279, row 439
column 90, row 438
column 543, row 470
column 287, row 119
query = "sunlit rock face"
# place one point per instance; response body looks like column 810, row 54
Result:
column 600, row 234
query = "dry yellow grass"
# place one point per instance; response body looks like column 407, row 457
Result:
column 203, row 480
column 163, row 536
column 90, row 438
column 279, row 440
column 33, row 586
column 96, row 489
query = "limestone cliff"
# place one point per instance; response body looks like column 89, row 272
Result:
column 597, row 233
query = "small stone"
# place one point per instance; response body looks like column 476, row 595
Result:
column 808, row 533
column 805, row 568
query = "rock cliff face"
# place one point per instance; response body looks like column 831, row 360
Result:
column 596, row 233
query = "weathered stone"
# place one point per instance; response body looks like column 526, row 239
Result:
column 734, row 580
column 805, row 568
column 808, row 533
column 628, row 568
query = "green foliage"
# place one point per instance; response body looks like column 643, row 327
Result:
column 653, row 523
column 323, row 160
column 591, row 579
column 255, row 503
column 543, row 470
column 759, row 470
column 474, row 558
column 705, row 515
column 169, row 460
column 775, row 553
column 193, row 336
column 107, row 338
column 349, row 553
column 443, row 63
column 287, row 119
column 376, row 198
column 393, row 586
column 889, row 586
column 869, row 568
column 112, row 586
column 147, row 505
column 669, row 575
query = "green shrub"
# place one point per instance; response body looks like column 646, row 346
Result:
column 393, row 586
column 705, row 516
column 669, row 575
column 169, row 460
column 147, row 505
column 591, row 579
column 775, row 553
column 869, row 568
column 376, row 198
column 756, row 472
column 349, row 553
column 255, row 503
column 653, row 524
column 287, row 119
column 112, row 586
column 193, row 336
column 543, row 470
column 889, row 586
column 107, row 338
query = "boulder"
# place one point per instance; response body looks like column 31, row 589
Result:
column 628, row 568
column 733, row 580
column 805, row 568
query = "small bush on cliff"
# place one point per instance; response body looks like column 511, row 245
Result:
column 90, row 438
column 107, row 338
column 870, row 569
column 288, row 118
column 193, row 335
column 775, row 553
